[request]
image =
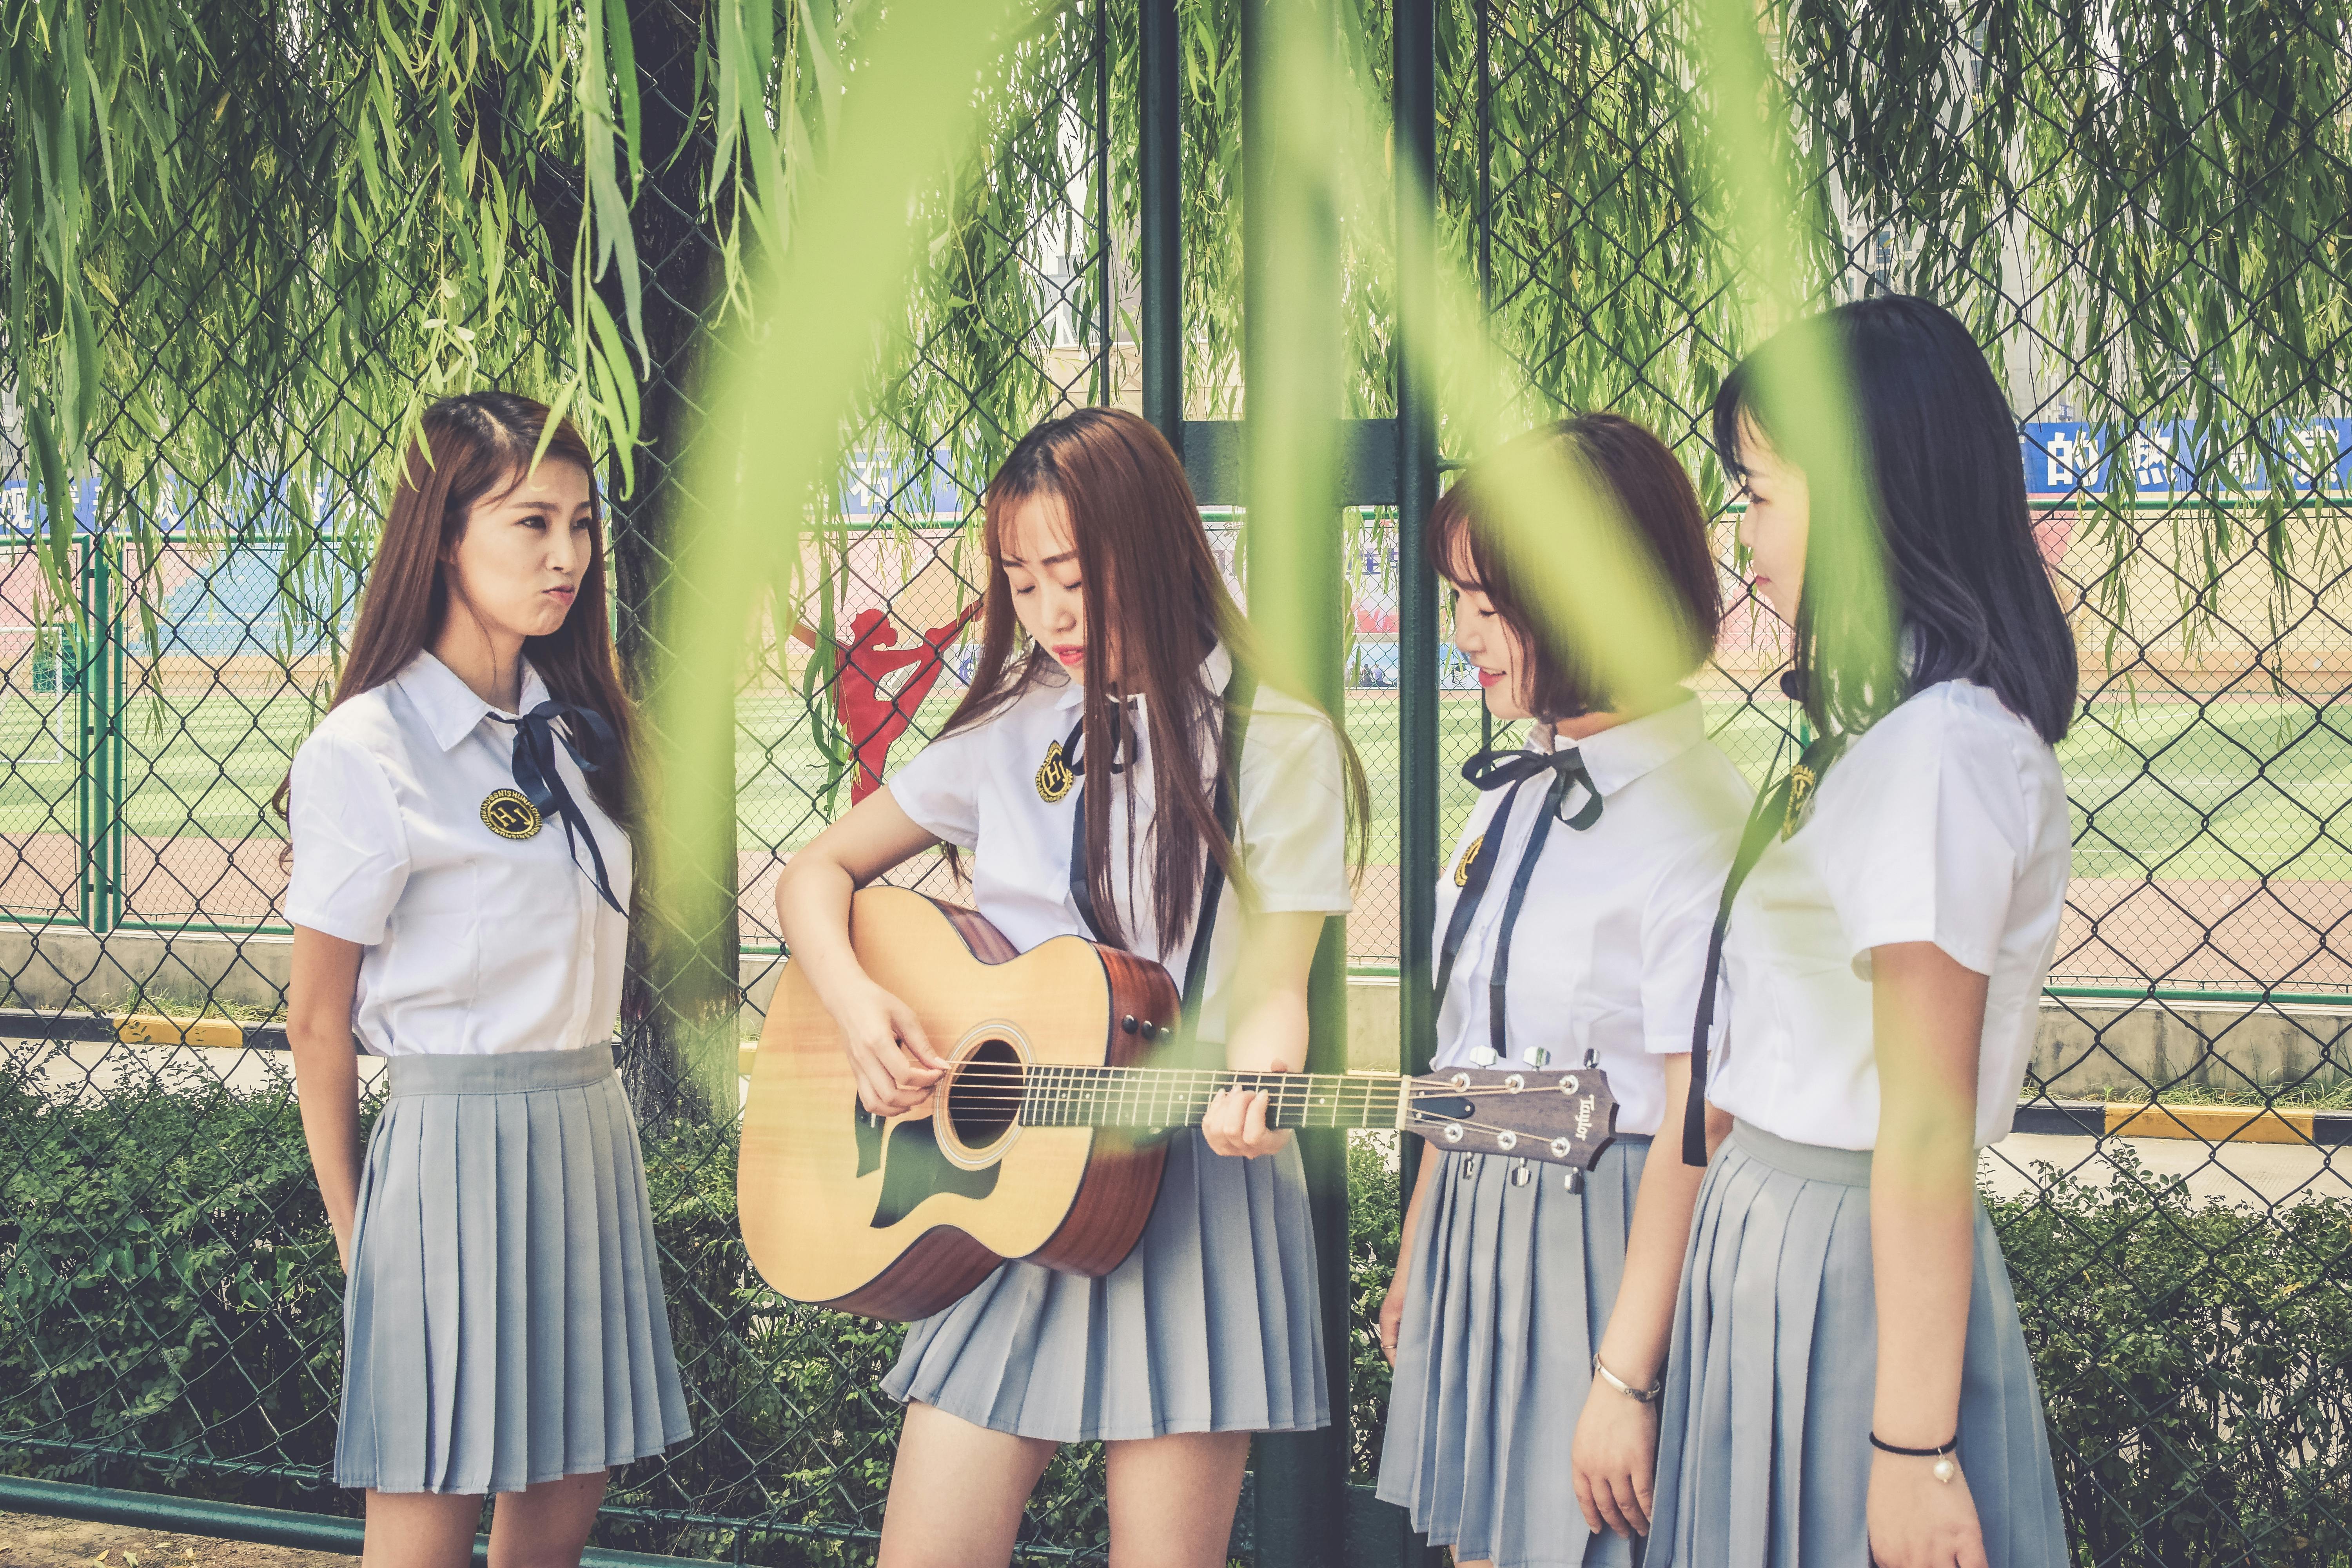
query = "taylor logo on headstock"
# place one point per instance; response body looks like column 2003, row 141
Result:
column 1053, row 775
column 1469, row 853
column 1801, row 780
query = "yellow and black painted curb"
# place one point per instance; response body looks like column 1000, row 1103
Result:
column 139, row 1029
column 2207, row 1123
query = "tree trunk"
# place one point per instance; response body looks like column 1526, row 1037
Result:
column 682, row 996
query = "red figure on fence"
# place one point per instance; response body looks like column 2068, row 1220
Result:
column 872, row 717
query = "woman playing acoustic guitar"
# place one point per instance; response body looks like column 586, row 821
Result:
column 1086, row 774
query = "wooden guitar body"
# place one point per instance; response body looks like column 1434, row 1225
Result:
column 899, row 1218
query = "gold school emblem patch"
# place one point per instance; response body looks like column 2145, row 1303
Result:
column 507, row 814
column 1469, row 853
column 1801, row 780
column 1053, row 775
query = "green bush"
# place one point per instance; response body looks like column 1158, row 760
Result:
column 171, row 1305
column 171, row 1318
column 2196, row 1364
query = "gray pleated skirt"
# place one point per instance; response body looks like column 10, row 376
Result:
column 1511, row 1285
column 503, row 1324
column 1210, row 1325
column 1764, row 1448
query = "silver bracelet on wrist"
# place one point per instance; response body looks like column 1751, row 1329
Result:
column 1639, row 1395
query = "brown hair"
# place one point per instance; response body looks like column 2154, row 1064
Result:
column 469, row 449
column 1155, row 593
column 1655, row 497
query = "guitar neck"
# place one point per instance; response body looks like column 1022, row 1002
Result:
column 1177, row 1096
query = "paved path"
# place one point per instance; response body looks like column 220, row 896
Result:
column 34, row 1541
column 2254, row 1175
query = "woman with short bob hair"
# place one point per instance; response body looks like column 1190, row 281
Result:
column 1847, row 1381
column 1576, row 915
column 459, row 893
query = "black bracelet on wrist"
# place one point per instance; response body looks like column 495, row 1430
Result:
column 1945, row 1468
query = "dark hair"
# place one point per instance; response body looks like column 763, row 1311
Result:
column 1971, row 598
column 1655, row 496
column 1154, row 590
column 467, row 448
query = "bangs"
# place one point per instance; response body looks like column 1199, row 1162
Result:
column 1731, row 406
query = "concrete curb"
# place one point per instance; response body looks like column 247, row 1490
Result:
column 2209, row 1123
column 139, row 1030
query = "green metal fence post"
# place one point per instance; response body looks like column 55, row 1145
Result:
column 97, row 703
column 1415, row 110
column 1290, row 387
column 1159, row 180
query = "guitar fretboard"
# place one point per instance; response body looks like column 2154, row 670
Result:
column 1177, row 1096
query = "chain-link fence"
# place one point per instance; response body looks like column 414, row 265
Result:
column 2133, row 209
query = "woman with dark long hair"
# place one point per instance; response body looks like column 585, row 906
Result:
column 1847, row 1381
column 460, row 897
column 1083, row 771
column 1528, row 1319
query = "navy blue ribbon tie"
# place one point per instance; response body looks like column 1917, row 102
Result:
column 1500, row 769
column 1073, row 749
column 541, row 783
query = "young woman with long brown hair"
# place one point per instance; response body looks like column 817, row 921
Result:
column 1209, row 1332
column 459, row 896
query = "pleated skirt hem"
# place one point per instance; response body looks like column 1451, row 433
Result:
column 1210, row 1325
column 1510, row 1286
column 503, row 1323
column 1764, row 1454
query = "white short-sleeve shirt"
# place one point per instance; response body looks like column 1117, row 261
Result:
column 1610, row 942
column 978, row 788
column 1944, row 822
column 475, row 944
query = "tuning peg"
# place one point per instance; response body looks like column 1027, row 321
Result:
column 1592, row 1058
column 1537, row 1057
column 1520, row 1173
column 1484, row 1057
column 1574, row 1181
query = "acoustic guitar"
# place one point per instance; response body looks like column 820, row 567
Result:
column 1045, row 1139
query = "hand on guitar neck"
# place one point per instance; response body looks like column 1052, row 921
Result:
column 1267, row 1032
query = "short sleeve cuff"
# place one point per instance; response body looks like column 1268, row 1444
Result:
column 927, row 812
column 327, row 923
column 1967, row 955
column 1297, row 902
column 1677, row 1042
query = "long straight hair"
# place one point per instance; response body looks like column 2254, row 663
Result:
column 1153, row 593
column 467, row 450
column 1970, row 595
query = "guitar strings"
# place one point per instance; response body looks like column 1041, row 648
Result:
column 1163, row 1096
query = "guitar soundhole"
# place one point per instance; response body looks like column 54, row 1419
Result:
column 985, row 1099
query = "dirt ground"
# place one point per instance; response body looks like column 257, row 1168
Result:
column 33, row 1541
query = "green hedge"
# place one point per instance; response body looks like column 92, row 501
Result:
column 170, row 1318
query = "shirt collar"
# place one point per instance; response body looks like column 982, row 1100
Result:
column 1216, row 670
column 1624, row 753
column 452, row 710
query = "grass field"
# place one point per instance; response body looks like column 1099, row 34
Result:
column 2233, row 790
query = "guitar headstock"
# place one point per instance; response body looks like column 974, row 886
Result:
column 1562, row 1118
